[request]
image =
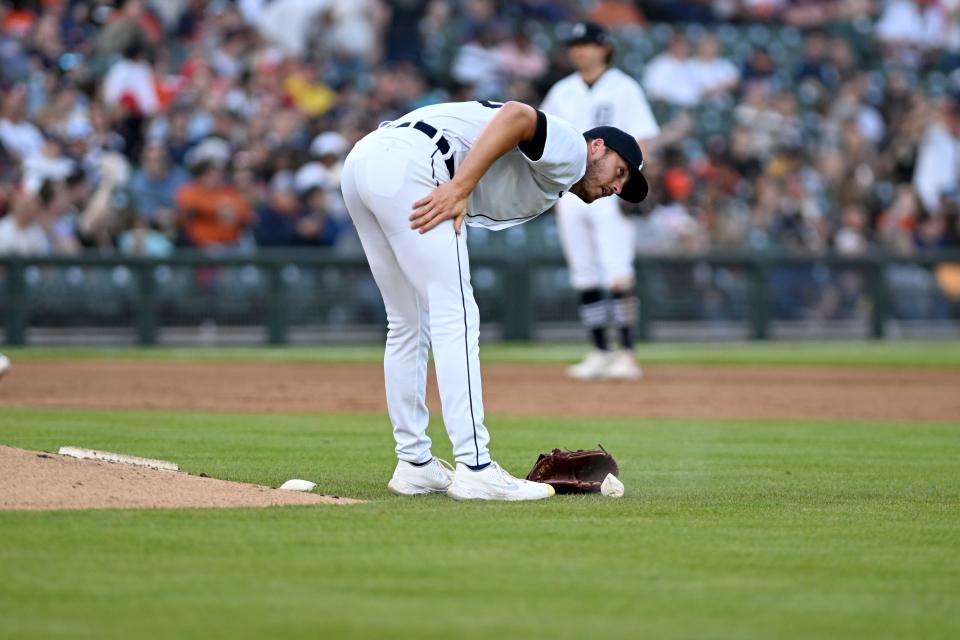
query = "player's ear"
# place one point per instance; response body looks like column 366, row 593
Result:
column 596, row 147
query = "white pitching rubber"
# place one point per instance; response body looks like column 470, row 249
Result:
column 107, row 456
column 298, row 485
column 611, row 487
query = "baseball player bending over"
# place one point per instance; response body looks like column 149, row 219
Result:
column 409, row 186
column 597, row 238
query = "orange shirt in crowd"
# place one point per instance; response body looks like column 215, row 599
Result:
column 212, row 216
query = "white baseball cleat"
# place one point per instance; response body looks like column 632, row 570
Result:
column 493, row 483
column 411, row 480
column 593, row 367
column 622, row 365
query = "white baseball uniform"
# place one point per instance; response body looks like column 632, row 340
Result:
column 425, row 278
column 597, row 238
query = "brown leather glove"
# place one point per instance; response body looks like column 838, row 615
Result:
column 574, row 471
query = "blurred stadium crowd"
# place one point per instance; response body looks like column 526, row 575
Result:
column 141, row 126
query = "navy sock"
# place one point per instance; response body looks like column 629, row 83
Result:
column 593, row 314
column 478, row 467
column 626, row 338
column 421, row 464
column 598, row 335
column 625, row 311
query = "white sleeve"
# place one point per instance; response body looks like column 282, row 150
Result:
column 640, row 122
column 653, row 80
column 564, row 156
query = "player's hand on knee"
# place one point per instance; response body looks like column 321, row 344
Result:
column 448, row 201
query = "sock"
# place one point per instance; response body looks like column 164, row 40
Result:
column 599, row 338
column 593, row 315
column 421, row 464
column 478, row 467
column 625, row 312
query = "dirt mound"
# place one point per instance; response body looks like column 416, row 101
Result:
column 37, row 481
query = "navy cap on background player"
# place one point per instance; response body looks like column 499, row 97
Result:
column 587, row 33
column 635, row 189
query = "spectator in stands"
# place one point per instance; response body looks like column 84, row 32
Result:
column 671, row 226
column 479, row 65
column 520, row 58
column 210, row 212
column 130, row 86
column 141, row 239
column 154, row 186
column 851, row 105
column 716, row 76
column 93, row 205
column 49, row 164
column 246, row 84
column 21, row 231
column 615, row 14
column 20, row 137
column 815, row 65
column 907, row 26
column 127, row 23
column 329, row 148
column 843, row 59
column 278, row 217
column 759, row 69
column 670, row 78
column 758, row 116
column 317, row 227
column 938, row 158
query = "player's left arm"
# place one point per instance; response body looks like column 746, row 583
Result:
column 513, row 124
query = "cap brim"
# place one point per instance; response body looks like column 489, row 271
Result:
column 636, row 188
column 575, row 41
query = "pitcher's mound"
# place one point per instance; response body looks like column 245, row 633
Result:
column 36, row 480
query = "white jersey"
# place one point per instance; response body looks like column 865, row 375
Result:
column 615, row 100
column 515, row 188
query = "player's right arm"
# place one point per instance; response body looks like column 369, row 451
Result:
column 513, row 124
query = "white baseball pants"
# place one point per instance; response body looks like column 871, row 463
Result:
column 425, row 283
column 598, row 241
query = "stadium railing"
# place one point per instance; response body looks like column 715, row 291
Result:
column 520, row 291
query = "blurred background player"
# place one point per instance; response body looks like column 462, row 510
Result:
column 597, row 238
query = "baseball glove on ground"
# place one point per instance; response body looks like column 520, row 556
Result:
column 574, row 471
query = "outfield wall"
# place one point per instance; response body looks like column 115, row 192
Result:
column 318, row 297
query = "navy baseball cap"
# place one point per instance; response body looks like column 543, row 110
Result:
column 635, row 189
column 587, row 33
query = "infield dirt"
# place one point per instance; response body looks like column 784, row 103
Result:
column 665, row 392
column 46, row 481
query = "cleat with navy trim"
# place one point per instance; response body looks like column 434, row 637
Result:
column 411, row 480
column 493, row 483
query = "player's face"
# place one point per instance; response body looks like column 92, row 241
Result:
column 605, row 176
column 587, row 56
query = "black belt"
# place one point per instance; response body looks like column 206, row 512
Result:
column 442, row 145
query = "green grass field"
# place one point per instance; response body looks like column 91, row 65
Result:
column 925, row 354
column 730, row 529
